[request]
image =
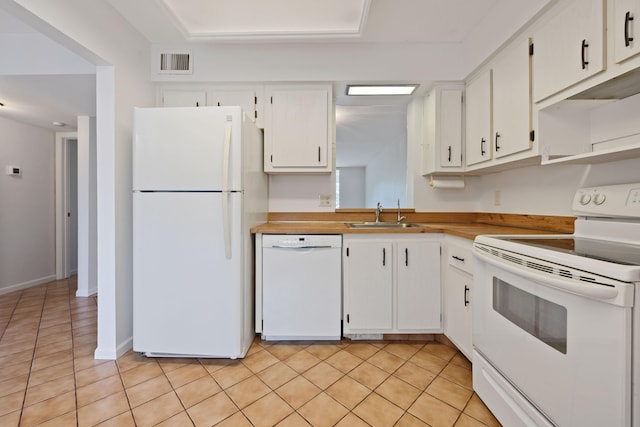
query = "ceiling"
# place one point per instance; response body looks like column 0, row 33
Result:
column 360, row 21
column 44, row 97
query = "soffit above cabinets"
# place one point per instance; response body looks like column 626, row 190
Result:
column 273, row 19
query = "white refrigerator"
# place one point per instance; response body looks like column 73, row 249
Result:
column 198, row 188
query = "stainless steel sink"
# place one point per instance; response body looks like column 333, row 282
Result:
column 381, row 225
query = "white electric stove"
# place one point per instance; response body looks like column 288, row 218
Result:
column 555, row 331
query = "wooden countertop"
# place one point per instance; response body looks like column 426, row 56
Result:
column 464, row 230
column 462, row 224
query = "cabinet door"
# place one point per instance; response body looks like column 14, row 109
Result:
column 569, row 47
column 626, row 37
column 457, row 311
column 512, row 101
column 418, row 288
column 478, row 119
column 244, row 98
column 296, row 132
column 450, row 126
column 184, row 98
column 368, row 284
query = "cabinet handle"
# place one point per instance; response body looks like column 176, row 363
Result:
column 449, row 154
column 466, row 293
column 497, row 145
column 585, row 45
column 318, row 154
column 384, row 257
column 482, row 150
column 457, row 258
column 627, row 23
column 406, row 257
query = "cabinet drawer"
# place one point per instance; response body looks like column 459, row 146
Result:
column 459, row 255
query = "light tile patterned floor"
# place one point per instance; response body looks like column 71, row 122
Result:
column 48, row 377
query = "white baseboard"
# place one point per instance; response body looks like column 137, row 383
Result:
column 111, row 353
column 25, row 285
column 86, row 292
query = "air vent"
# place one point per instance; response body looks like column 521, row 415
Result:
column 565, row 273
column 540, row 267
column 176, row 63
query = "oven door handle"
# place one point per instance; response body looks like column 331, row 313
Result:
column 590, row 290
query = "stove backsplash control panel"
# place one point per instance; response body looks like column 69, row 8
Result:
column 614, row 201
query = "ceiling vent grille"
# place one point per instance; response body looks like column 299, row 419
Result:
column 176, row 63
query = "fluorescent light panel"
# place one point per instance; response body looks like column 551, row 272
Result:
column 369, row 90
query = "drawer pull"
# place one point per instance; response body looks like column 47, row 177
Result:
column 457, row 258
column 627, row 22
column 585, row 46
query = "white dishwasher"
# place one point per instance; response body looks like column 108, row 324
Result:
column 301, row 287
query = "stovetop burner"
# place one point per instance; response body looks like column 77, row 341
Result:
column 614, row 252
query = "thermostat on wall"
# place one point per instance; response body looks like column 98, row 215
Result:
column 14, row 171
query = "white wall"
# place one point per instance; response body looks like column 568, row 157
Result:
column 352, row 187
column 96, row 32
column 386, row 175
column 27, row 206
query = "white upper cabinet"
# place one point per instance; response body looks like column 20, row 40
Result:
column 184, row 98
column 298, row 129
column 625, row 29
column 569, row 47
column 512, row 101
column 442, row 147
column 247, row 99
column 478, row 119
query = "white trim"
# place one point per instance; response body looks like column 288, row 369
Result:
column 61, row 177
column 109, row 354
column 25, row 285
column 106, row 212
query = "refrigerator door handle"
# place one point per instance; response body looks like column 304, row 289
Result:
column 226, row 157
column 225, row 191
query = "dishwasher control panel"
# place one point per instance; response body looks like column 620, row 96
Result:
column 301, row 241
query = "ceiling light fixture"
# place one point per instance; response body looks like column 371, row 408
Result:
column 59, row 124
column 373, row 90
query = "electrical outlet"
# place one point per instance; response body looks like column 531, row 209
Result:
column 497, row 198
column 325, row 200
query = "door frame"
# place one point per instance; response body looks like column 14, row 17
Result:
column 62, row 202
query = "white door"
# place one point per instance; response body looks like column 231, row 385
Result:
column 187, row 293
column 512, row 101
column 450, row 118
column 625, row 26
column 569, row 48
column 369, row 285
column 478, row 120
column 246, row 99
column 298, row 128
column 184, row 148
column 418, row 285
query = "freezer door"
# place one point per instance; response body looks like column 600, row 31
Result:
column 183, row 149
column 187, row 294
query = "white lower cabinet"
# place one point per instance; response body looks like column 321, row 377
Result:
column 458, row 280
column 391, row 284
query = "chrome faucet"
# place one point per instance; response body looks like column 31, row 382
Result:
column 378, row 211
column 400, row 218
